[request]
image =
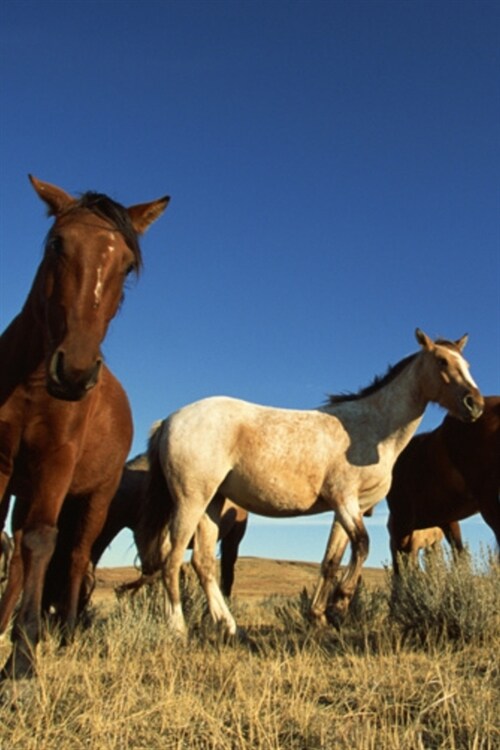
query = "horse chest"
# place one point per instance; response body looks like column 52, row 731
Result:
column 372, row 492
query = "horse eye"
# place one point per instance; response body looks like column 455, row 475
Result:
column 56, row 245
column 442, row 362
column 129, row 269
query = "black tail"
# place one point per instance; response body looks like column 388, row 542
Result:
column 156, row 509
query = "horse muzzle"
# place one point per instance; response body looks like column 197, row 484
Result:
column 70, row 384
column 474, row 406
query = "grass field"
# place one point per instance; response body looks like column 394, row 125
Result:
column 409, row 669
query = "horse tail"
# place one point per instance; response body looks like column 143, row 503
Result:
column 156, row 509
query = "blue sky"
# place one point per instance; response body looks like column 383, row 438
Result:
column 333, row 168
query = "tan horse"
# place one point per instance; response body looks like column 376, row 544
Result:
column 423, row 539
column 280, row 462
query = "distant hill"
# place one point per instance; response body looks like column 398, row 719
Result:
column 255, row 578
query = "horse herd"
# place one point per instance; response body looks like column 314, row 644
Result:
column 66, row 430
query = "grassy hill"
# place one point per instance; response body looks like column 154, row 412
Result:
column 255, row 578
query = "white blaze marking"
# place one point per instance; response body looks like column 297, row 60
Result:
column 464, row 370
column 98, row 288
column 99, row 283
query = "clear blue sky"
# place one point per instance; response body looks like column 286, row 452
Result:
column 334, row 172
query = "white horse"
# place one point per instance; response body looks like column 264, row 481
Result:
column 281, row 462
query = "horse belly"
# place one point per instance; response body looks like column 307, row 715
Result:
column 272, row 496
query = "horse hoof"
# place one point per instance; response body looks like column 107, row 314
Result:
column 242, row 638
column 318, row 619
column 339, row 609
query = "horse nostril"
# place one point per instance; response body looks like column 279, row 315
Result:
column 472, row 406
column 57, row 367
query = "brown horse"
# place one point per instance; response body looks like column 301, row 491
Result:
column 446, row 475
column 65, row 422
column 125, row 511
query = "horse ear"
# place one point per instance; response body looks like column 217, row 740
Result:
column 144, row 214
column 56, row 199
column 424, row 340
column 462, row 341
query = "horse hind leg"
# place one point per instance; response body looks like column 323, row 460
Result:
column 204, row 564
column 183, row 523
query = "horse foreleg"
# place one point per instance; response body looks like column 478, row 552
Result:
column 38, row 545
column 489, row 507
column 453, row 536
column 351, row 519
column 337, row 542
column 205, row 566
column 81, row 572
column 399, row 540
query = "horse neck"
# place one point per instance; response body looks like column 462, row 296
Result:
column 403, row 403
column 21, row 350
column 392, row 413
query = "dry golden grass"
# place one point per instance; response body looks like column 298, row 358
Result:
column 126, row 683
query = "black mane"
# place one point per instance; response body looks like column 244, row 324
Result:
column 378, row 383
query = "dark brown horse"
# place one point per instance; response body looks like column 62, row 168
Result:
column 125, row 511
column 446, row 475
column 65, row 422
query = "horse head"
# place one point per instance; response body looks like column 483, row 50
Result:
column 90, row 250
column 447, row 377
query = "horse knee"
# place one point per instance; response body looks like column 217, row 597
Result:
column 40, row 541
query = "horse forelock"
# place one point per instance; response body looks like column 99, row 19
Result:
column 108, row 209
column 449, row 345
column 377, row 384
